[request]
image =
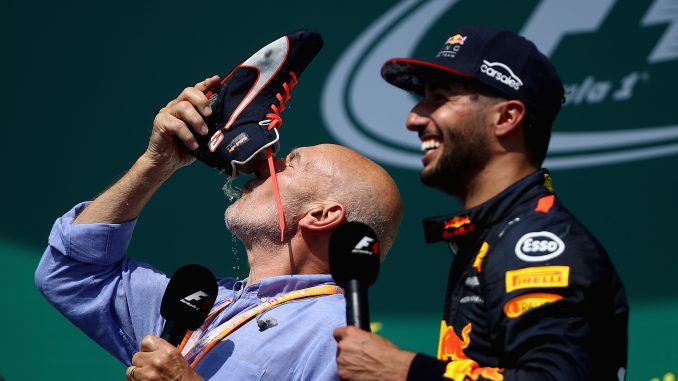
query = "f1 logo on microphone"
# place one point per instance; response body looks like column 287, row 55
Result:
column 365, row 242
column 194, row 297
column 363, row 246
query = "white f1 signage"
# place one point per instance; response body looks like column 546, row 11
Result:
column 362, row 111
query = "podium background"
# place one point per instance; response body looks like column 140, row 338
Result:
column 87, row 79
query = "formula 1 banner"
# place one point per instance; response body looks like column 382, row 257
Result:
column 87, row 79
column 614, row 68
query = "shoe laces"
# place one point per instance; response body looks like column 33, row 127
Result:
column 276, row 121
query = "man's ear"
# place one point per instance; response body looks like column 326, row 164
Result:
column 507, row 116
column 325, row 216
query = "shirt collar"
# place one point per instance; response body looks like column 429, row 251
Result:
column 469, row 223
column 282, row 284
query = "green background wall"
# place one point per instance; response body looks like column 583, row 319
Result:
column 87, row 78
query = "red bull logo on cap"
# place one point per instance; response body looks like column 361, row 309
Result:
column 457, row 39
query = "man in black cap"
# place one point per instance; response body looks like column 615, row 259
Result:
column 531, row 294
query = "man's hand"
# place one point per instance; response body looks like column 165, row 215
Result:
column 364, row 356
column 159, row 360
column 172, row 127
column 126, row 198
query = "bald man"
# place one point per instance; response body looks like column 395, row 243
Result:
column 116, row 300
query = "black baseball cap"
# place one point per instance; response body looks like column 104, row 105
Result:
column 509, row 64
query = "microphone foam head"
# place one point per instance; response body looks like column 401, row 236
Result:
column 189, row 296
column 354, row 254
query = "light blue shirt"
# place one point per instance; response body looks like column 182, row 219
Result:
column 116, row 301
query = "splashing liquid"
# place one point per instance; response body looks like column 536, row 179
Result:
column 231, row 191
column 236, row 257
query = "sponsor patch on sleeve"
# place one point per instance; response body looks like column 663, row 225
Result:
column 539, row 246
column 523, row 303
column 538, row 277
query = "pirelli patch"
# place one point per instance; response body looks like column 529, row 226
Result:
column 538, row 277
column 523, row 303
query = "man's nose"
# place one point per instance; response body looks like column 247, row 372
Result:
column 417, row 118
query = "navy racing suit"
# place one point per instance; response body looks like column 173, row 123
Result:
column 531, row 294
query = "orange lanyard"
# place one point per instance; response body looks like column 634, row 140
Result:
column 196, row 345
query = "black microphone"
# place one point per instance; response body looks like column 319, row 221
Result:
column 354, row 263
column 188, row 298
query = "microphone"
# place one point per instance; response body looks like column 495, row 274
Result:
column 188, row 298
column 354, row 263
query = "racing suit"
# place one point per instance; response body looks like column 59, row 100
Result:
column 531, row 294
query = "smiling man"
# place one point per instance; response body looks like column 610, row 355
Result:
column 116, row 300
column 531, row 294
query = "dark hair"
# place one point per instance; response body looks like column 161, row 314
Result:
column 537, row 135
column 536, row 127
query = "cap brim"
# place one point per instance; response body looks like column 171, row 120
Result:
column 412, row 75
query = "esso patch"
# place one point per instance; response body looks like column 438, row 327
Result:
column 539, row 246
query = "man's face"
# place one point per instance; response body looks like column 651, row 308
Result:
column 255, row 215
column 450, row 121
